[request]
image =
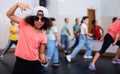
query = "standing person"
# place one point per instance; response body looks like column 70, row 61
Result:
column 64, row 35
column 96, row 30
column 12, row 38
column 76, row 29
column 31, row 42
column 116, row 60
column 109, row 38
column 83, row 40
column 52, row 49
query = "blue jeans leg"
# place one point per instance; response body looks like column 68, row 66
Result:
column 62, row 40
column 10, row 43
column 89, row 48
column 50, row 50
column 56, row 55
column 65, row 41
column 78, row 48
column 76, row 42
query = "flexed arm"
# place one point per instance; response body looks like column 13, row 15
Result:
column 11, row 11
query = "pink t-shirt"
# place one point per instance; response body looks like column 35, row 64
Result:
column 114, row 29
column 28, row 42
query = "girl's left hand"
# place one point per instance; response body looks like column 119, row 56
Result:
column 43, row 58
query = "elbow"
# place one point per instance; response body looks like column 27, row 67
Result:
column 8, row 15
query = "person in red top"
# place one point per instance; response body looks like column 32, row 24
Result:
column 96, row 31
column 110, row 37
column 31, row 42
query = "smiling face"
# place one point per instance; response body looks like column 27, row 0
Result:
column 38, row 23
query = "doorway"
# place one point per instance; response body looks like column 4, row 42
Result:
column 91, row 15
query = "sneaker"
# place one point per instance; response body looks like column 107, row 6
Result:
column 1, row 56
column 56, row 64
column 92, row 67
column 87, row 57
column 69, row 51
column 66, row 52
column 116, row 61
column 68, row 58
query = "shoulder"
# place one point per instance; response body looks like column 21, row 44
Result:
column 54, row 28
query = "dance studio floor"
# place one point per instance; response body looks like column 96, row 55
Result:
column 77, row 66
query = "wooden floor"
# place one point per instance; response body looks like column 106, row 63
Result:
column 77, row 66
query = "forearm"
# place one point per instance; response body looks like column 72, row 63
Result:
column 14, row 32
column 11, row 11
column 88, row 34
column 42, row 56
column 102, row 31
column 42, row 49
column 57, row 37
column 68, row 31
column 116, row 38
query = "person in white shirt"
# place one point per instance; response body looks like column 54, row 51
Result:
column 83, row 40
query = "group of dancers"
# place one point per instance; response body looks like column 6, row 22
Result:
column 35, row 49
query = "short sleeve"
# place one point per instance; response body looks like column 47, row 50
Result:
column 11, row 29
column 66, row 26
column 118, row 30
column 84, row 26
column 44, row 38
column 21, row 23
column 55, row 29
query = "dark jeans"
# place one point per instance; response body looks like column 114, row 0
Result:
column 108, row 40
column 76, row 42
column 10, row 43
column 65, row 41
column 27, row 67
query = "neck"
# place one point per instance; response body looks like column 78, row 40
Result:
column 37, row 30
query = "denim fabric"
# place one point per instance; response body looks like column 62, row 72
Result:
column 83, row 40
column 52, row 52
column 76, row 42
column 10, row 43
column 65, row 41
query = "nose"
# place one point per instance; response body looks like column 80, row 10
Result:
column 39, row 20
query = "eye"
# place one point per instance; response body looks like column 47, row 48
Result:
column 36, row 18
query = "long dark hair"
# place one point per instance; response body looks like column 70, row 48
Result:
column 47, row 24
column 84, row 18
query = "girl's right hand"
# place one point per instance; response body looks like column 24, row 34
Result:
column 23, row 6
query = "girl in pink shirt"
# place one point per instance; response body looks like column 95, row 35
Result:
column 110, row 38
column 31, row 43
